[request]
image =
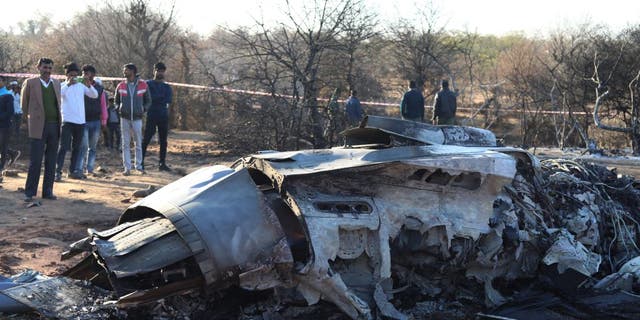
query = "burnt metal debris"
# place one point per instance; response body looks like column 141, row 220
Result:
column 407, row 220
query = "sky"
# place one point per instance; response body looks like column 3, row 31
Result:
column 498, row 17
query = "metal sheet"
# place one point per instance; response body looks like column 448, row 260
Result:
column 417, row 131
column 59, row 297
column 431, row 134
column 110, row 232
column 226, row 211
column 8, row 304
column 153, row 256
column 316, row 161
column 134, row 237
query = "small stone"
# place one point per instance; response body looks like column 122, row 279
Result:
column 144, row 192
column 10, row 173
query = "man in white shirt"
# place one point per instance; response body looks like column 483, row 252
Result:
column 73, row 119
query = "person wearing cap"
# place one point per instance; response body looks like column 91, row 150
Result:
column 158, row 114
column 95, row 113
column 73, row 119
column 444, row 106
column 14, row 88
column 41, row 105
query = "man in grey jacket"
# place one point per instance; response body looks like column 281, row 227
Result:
column 132, row 100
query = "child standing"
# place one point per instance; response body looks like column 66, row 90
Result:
column 113, row 126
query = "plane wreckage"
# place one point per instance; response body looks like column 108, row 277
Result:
column 406, row 220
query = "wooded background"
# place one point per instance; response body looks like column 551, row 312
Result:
column 531, row 91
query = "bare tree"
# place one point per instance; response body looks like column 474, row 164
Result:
column 633, row 122
column 188, row 45
column 10, row 53
column 420, row 50
column 299, row 44
column 113, row 35
column 527, row 86
column 359, row 27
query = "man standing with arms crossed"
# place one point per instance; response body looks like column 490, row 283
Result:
column 41, row 105
column 132, row 100
column 158, row 114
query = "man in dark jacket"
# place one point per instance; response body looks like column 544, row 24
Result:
column 158, row 114
column 412, row 104
column 354, row 109
column 444, row 108
column 132, row 101
column 6, row 115
column 95, row 113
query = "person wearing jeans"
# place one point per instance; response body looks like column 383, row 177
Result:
column 96, row 118
column 131, row 129
column 132, row 100
column 92, row 130
column 73, row 119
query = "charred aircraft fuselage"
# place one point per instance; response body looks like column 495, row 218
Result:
column 310, row 220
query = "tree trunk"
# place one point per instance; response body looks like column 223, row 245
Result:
column 186, row 78
column 635, row 132
column 316, row 119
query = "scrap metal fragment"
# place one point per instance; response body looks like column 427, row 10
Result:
column 569, row 253
column 61, row 297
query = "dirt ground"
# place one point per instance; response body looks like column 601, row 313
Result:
column 34, row 237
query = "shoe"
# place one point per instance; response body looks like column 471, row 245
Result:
column 164, row 167
column 126, row 173
column 141, row 171
column 77, row 176
column 14, row 157
column 50, row 197
column 58, row 177
column 28, row 199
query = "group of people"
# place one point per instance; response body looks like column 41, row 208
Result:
column 70, row 115
column 444, row 107
column 412, row 106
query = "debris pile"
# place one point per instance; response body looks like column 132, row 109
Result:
column 563, row 244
